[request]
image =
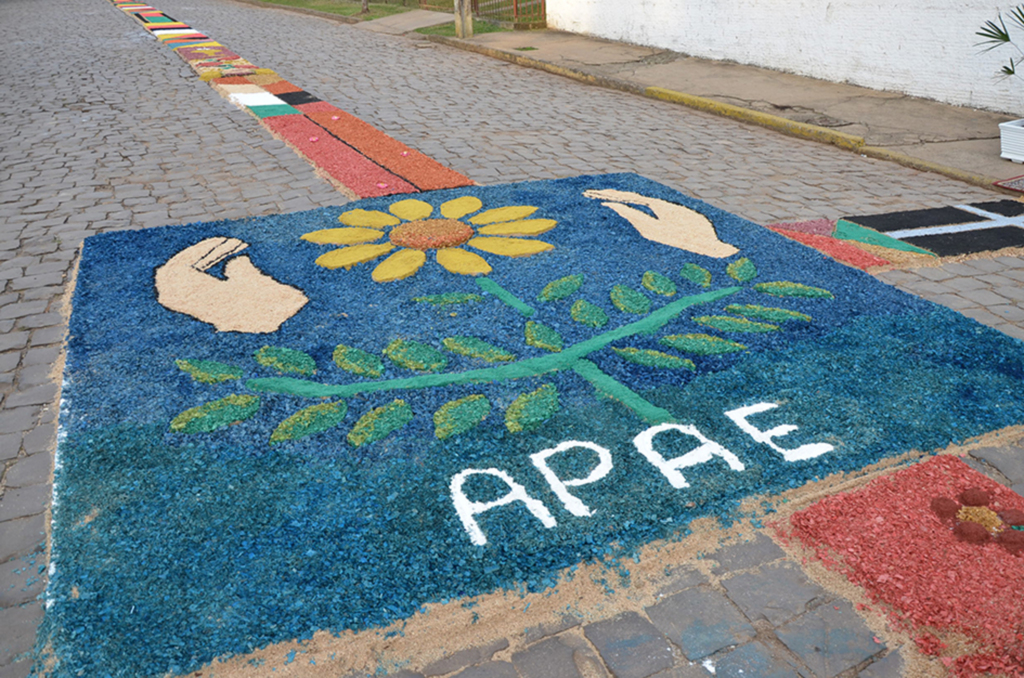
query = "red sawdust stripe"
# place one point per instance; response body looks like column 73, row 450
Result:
column 886, row 538
column 422, row 171
column 338, row 160
column 837, row 249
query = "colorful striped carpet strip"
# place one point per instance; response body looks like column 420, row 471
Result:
column 356, row 157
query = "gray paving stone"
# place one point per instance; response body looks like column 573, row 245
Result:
column 983, row 297
column 685, row 670
column 752, row 660
column 535, row 633
column 10, row 444
column 22, row 536
column 630, row 646
column 28, row 471
column 760, row 549
column 830, row 640
column 463, row 658
column 681, row 577
column 548, row 659
column 961, row 285
column 776, row 592
column 701, row 621
column 405, row 674
column 890, row 666
column 23, row 502
column 21, row 669
column 1008, row 460
column 935, row 274
column 17, row 630
column 489, row 670
column 21, row 579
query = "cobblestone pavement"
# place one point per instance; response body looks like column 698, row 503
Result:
column 106, row 130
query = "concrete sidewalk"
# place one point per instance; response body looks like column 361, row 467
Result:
column 959, row 142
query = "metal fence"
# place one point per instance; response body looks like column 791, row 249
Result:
column 510, row 13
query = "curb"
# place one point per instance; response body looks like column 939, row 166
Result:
column 793, row 128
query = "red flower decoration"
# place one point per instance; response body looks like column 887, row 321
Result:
column 974, row 520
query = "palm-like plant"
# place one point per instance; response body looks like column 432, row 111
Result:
column 997, row 34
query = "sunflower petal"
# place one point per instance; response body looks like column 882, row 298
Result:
column 460, row 207
column 523, row 227
column 343, row 236
column 400, row 265
column 503, row 214
column 347, row 257
column 460, row 261
column 510, row 247
column 368, row 219
column 411, row 210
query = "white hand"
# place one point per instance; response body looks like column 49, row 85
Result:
column 672, row 225
column 247, row 300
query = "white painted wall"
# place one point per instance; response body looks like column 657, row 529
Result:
column 925, row 48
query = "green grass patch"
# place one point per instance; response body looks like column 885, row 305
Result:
column 377, row 10
column 448, row 30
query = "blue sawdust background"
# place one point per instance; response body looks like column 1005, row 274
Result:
column 170, row 550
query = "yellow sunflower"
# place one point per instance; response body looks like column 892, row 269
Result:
column 411, row 230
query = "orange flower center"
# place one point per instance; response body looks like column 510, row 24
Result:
column 982, row 515
column 431, row 234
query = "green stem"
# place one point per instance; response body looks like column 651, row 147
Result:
column 616, row 390
column 531, row 367
column 506, row 297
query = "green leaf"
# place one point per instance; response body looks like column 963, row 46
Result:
column 458, row 416
column 413, row 355
column 585, row 312
column 742, row 270
column 310, row 420
column 727, row 324
column 357, row 361
column 477, row 348
column 696, row 275
column 628, row 300
column 215, row 415
column 448, row 299
column 649, row 358
column 530, row 410
column 542, row 336
column 658, row 283
column 561, row 288
column 792, row 289
column 285, row 360
column 379, row 422
column 775, row 315
column 209, row 371
column 701, row 344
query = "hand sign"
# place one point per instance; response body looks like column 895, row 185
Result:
column 247, row 300
column 672, row 225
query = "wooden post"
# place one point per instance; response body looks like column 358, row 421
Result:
column 463, row 19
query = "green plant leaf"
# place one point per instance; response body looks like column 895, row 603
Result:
column 742, row 270
column 542, row 336
column 285, row 360
column 448, row 298
column 357, row 361
column 310, row 420
column 561, row 288
column 727, row 324
column 588, row 314
column 696, row 274
column 530, row 410
column 701, row 344
column 775, row 315
column 215, row 415
column 477, row 348
column 792, row 289
column 658, row 283
column 649, row 358
column 458, row 416
column 628, row 300
column 380, row 422
column 209, row 371
column 413, row 355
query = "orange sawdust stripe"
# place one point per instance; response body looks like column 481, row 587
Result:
column 423, row 172
column 837, row 249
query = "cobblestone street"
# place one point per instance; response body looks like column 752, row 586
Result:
column 108, row 130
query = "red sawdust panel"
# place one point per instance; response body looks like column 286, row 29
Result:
column 424, row 172
column 233, row 80
column 837, row 249
column 281, row 87
column 346, row 165
column 887, row 538
column 317, row 107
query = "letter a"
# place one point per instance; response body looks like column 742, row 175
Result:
column 670, row 467
column 468, row 509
